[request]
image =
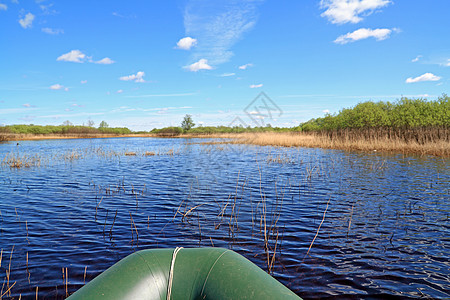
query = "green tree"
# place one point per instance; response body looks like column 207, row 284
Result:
column 103, row 124
column 187, row 123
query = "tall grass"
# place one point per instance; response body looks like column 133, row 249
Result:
column 346, row 142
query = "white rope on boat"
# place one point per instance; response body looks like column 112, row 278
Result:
column 169, row 287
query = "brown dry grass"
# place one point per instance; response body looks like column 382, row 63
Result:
column 349, row 143
column 438, row 148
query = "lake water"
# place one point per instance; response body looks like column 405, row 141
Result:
column 326, row 223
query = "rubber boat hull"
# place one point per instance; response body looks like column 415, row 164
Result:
column 198, row 273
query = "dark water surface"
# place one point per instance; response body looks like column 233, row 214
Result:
column 380, row 223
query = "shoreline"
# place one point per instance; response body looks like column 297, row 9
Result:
column 37, row 137
column 279, row 139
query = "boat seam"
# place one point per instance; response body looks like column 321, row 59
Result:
column 212, row 267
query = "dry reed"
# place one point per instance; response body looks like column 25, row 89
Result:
column 318, row 229
column 342, row 142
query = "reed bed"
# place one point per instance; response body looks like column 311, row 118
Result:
column 344, row 142
column 19, row 160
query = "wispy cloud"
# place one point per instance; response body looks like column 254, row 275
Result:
column 83, row 81
column 350, row 11
column 3, row 6
column 227, row 74
column 364, row 33
column 424, row 77
column 217, row 26
column 202, row 64
column 5, row 111
column 73, row 56
column 138, row 77
column 52, row 31
column 27, row 21
column 27, row 118
column 105, row 61
column 244, row 67
column 119, row 91
column 369, row 97
column 116, row 14
column 162, row 95
column 254, row 86
column 81, row 114
column 186, row 43
column 59, row 87
column 28, row 105
column 418, row 57
column 47, row 9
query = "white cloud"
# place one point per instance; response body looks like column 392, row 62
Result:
column 447, row 64
column 217, row 26
column 52, row 31
column 418, row 57
column 227, row 74
column 326, row 111
column 424, row 77
column 79, row 57
column 243, row 67
column 350, row 11
column 73, row 56
column 364, row 33
column 119, row 91
column 27, row 21
column 105, row 61
column 58, row 87
column 254, row 86
column 83, row 81
column 3, row 6
column 138, row 77
column 186, row 43
column 202, row 64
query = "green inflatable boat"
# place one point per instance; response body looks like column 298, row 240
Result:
column 191, row 273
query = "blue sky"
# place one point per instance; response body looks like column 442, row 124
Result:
column 145, row 64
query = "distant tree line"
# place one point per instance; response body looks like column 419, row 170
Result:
column 66, row 129
column 405, row 113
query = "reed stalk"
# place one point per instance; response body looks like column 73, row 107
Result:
column 8, row 291
column 318, row 229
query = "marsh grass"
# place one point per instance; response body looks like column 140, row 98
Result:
column 19, row 161
column 347, row 142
